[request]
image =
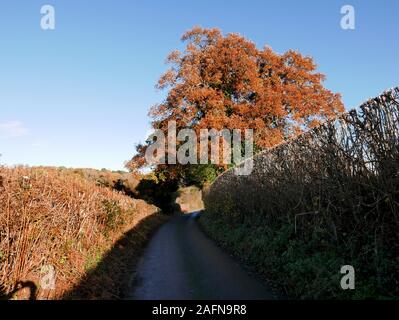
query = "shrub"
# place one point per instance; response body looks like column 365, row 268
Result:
column 55, row 217
column 335, row 189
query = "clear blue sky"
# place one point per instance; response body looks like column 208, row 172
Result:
column 78, row 96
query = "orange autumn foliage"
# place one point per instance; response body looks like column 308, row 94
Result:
column 227, row 82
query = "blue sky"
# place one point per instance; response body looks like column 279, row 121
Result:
column 79, row 95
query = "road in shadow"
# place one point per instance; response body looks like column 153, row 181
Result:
column 112, row 277
column 182, row 263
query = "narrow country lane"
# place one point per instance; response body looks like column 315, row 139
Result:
column 182, row 263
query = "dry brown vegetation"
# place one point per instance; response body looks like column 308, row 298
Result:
column 54, row 217
column 190, row 199
column 119, row 180
column 323, row 200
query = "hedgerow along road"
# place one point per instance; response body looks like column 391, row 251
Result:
column 182, row 263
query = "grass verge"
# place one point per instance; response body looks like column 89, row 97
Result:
column 301, row 269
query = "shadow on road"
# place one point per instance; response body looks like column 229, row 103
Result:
column 182, row 263
column 113, row 275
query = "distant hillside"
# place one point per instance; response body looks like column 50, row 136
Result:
column 118, row 180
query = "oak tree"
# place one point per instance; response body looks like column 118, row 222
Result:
column 224, row 81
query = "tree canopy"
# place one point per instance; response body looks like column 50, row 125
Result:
column 226, row 82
